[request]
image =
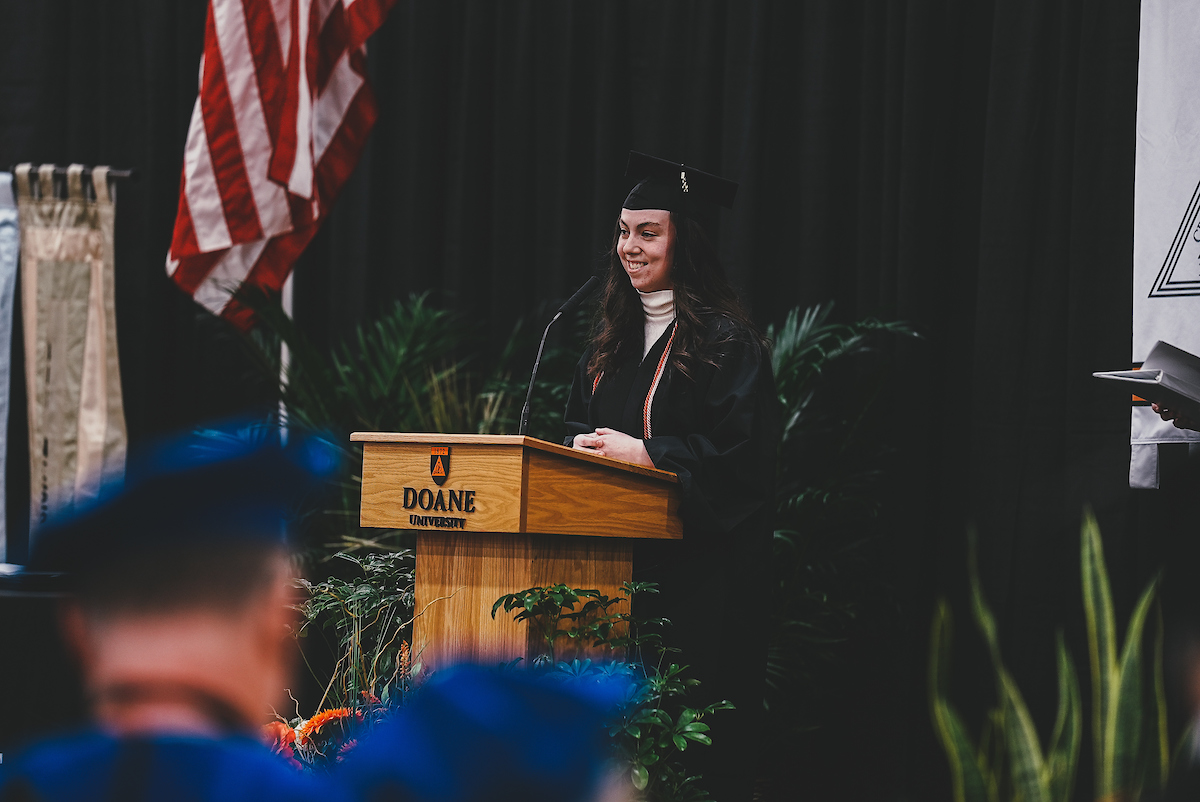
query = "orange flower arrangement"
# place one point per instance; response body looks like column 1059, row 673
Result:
column 280, row 737
column 314, row 724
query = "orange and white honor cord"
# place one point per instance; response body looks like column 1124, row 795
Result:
column 658, row 372
column 662, row 364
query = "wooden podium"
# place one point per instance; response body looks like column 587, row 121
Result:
column 495, row 514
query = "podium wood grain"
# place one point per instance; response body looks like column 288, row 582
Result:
column 460, row 576
column 544, row 514
column 571, row 497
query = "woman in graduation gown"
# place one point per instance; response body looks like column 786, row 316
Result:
column 678, row 378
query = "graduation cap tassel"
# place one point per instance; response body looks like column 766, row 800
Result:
column 694, row 191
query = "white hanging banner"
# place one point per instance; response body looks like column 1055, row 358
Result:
column 1166, row 211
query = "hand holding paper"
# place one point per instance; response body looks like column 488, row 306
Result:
column 1169, row 379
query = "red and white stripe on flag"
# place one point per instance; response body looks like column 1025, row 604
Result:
column 281, row 118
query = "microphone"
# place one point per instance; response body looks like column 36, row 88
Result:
column 575, row 300
column 579, row 297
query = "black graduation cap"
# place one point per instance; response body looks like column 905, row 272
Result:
column 675, row 187
column 218, row 486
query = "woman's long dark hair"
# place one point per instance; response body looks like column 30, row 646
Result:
column 701, row 291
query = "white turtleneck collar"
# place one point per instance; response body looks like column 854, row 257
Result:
column 659, row 308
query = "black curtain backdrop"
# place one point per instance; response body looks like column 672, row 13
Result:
column 967, row 167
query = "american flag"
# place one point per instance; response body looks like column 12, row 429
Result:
column 283, row 112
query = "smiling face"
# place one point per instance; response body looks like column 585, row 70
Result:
column 646, row 245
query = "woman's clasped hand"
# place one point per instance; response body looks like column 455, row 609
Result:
column 611, row 443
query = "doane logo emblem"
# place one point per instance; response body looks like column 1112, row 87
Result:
column 439, row 464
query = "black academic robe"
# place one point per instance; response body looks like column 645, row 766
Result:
column 718, row 431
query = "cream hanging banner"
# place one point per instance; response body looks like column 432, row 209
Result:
column 76, row 420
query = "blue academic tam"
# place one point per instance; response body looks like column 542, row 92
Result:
column 94, row 766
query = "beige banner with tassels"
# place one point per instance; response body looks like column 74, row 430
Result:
column 76, row 419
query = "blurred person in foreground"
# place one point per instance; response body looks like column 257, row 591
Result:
column 495, row 735
column 182, row 593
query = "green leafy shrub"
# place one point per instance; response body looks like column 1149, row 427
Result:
column 825, row 524
column 369, row 618
column 365, row 622
column 544, row 608
column 655, row 723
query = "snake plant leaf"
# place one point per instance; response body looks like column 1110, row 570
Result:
column 1159, row 711
column 1102, row 650
column 1023, row 749
column 966, row 773
column 1062, row 755
column 980, row 610
column 992, row 756
column 1123, row 730
column 1129, row 716
column 1027, row 765
column 967, row 776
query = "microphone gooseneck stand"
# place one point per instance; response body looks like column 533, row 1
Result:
column 575, row 300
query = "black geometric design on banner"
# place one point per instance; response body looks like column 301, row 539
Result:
column 1173, row 281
